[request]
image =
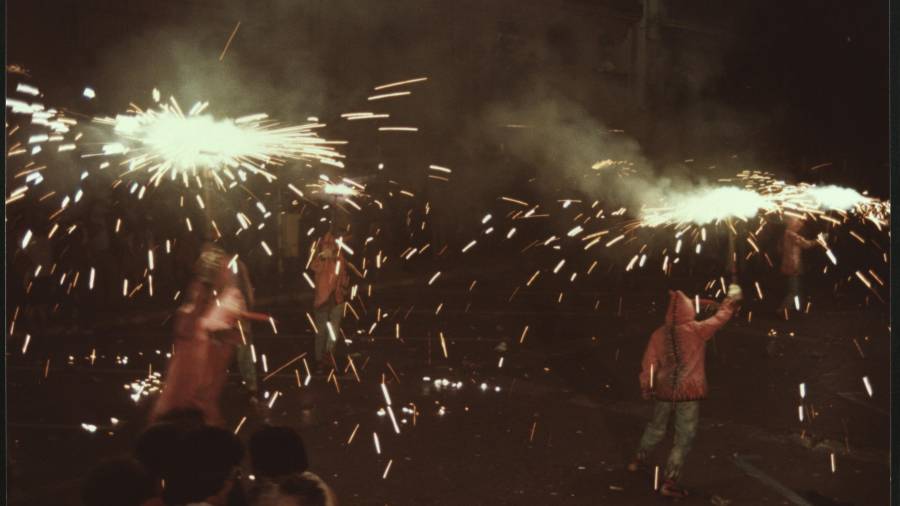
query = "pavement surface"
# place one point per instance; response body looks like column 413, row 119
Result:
column 554, row 423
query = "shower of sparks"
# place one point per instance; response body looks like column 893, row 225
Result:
column 165, row 141
column 761, row 194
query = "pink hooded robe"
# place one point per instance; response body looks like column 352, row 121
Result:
column 676, row 352
column 197, row 370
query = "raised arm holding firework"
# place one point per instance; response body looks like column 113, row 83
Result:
column 673, row 373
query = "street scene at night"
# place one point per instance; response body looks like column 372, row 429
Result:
column 310, row 252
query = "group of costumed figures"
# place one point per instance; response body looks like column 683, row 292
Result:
column 213, row 326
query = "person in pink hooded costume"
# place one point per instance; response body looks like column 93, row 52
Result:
column 792, row 246
column 331, row 280
column 206, row 336
column 673, row 372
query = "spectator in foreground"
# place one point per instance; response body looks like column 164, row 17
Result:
column 120, row 481
column 204, row 469
column 280, row 464
column 305, row 489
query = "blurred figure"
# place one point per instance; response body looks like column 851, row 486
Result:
column 279, row 461
column 792, row 246
column 206, row 335
column 246, row 366
column 673, row 374
column 331, row 280
column 119, row 481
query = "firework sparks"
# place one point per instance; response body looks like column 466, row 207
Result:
column 166, row 141
column 763, row 194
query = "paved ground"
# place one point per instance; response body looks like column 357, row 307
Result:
column 558, row 431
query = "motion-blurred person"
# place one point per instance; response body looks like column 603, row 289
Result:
column 792, row 246
column 673, row 374
column 206, row 334
column 244, row 353
column 331, row 280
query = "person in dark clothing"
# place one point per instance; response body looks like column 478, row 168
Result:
column 280, row 463
column 277, row 451
column 792, row 246
column 243, row 353
column 120, row 481
column 205, row 468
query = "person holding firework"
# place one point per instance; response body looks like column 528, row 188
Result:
column 331, row 281
column 673, row 374
column 792, row 246
column 206, row 335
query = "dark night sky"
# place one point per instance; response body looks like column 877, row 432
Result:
column 785, row 85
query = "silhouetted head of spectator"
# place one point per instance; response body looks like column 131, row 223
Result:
column 156, row 447
column 185, row 418
column 119, row 481
column 304, row 489
column 277, row 451
column 204, row 466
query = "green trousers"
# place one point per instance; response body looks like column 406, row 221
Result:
column 687, row 417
